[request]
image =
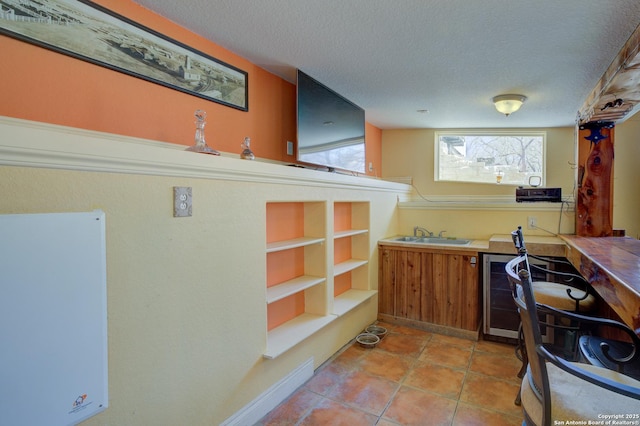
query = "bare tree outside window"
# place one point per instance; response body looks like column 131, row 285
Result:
column 505, row 158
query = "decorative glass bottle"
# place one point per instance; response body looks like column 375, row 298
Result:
column 247, row 154
column 201, row 145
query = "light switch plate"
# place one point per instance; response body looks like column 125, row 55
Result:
column 182, row 201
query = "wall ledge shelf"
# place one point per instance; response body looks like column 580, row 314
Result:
column 351, row 299
column 26, row 143
column 289, row 334
column 348, row 265
column 287, row 288
column 469, row 202
column 294, row 243
column 349, row 233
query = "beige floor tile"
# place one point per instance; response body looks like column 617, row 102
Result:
column 401, row 344
column 412, row 377
column 327, row 378
column 408, row 331
column 442, row 353
column 365, row 392
column 496, row 365
column 436, row 378
column 454, row 341
column 495, row 347
column 332, row 413
column 469, row 415
column 388, row 365
column 493, row 394
column 416, row 407
column 292, row 410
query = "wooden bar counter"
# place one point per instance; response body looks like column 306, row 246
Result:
column 612, row 267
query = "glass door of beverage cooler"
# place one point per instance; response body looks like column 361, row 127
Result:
column 500, row 315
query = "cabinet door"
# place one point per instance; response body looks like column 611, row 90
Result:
column 408, row 288
column 424, row 282
column 471, row 293
column 386, row 281
column 456, row 301
column 431, row 287
column 401, row 291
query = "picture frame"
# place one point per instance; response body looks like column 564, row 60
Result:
column 93, row 33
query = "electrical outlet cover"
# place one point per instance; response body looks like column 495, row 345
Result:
column 182, row 201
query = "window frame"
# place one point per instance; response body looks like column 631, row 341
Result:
column 504, row 132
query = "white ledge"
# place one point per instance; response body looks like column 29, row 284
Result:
column 26, row 143
column 480, row 202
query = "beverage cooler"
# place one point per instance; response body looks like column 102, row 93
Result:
column 500, row 316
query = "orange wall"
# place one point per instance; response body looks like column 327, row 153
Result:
column 41, row 85
column 373, row 140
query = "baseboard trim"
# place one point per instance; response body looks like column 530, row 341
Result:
column 272, row 397
column 433, row 328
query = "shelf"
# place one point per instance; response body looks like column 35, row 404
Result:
column 351, row 299
column 294, row 243
column 289, row 334
column 349, row 233
column 347, row 266
column 294, row 274
column 287, row 288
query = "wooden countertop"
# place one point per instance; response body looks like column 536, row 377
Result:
column 610, row 264
column 540, row 246
column 612, row 267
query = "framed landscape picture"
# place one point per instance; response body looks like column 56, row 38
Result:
column 92, row 33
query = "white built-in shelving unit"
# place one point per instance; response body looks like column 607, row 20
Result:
column 298, row 233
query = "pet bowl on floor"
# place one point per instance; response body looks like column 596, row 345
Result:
column 367, row 340
column 377, row 330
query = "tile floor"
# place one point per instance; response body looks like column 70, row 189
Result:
column 412, row 377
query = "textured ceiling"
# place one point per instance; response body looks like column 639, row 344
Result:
column 450, row 57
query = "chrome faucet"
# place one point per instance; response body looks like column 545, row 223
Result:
column 440, row 234
column 423, row 231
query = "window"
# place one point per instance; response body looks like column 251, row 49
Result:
column 513, row 158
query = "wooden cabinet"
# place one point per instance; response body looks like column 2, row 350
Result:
column 431, row 286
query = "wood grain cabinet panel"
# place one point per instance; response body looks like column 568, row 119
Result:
column 431, row 286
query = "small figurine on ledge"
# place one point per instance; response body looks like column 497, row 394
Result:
column 201, row 145
column 247, row 154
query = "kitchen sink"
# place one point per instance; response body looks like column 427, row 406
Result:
column 435, row 240
column 406, row 239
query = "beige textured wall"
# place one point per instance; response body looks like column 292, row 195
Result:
column 411, row 153
column 186, row 296
column 626, row 172
column 482, row 224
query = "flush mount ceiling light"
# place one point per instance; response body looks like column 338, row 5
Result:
column 508, row 104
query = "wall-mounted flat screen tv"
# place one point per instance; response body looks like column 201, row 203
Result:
column 330, row 127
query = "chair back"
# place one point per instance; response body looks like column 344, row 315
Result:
column 522, row 291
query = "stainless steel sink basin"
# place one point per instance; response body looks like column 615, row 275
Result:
column 436, row 240
column 406, row 239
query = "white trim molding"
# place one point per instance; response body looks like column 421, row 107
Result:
column 482, row 202
column 26, row 143
column 272, row 397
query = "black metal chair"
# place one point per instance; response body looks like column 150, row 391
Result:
column 555, row 390
column 561, row 289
